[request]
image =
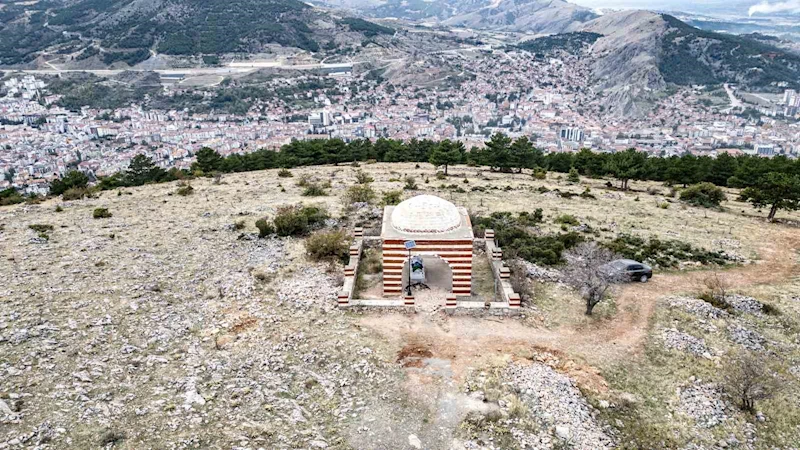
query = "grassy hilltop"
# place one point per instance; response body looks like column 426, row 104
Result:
column 165, row 321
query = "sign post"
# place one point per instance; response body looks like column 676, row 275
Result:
column 409, row 245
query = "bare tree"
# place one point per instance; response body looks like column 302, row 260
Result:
column 717, row 286
column 748, row 380
column 588, row 272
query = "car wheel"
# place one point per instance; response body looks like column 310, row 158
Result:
column 644, row 278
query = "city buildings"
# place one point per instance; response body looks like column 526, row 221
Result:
column 546, row 100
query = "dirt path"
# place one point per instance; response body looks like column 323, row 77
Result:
column 468, row 341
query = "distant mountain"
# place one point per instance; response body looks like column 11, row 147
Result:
column 530, row 16
column 417, row 10
column 625, row 59
column 126, row 30
column 639, row 53
column 693, row 56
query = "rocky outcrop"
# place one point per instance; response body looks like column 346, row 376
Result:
column 626, row 59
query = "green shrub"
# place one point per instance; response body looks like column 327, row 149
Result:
column 285, row 173
column 567, row 219
column 539, row 173
column 239, row 225
column 101, row 213
column 298, row 220
column 411, row 183
column 441, row 176
column 363, row 177
column 265, row 227
column 371, row 262
column 314, row 190
column 513, row 236
column 360, row 193
column 316, row 215
column 528, row 219
column 392, row 198
column 185, row 190
column 76, row 193
column 574, row 176
column 59, row 208
column 703, row 194
column 41, row 227
column 291, row 222
column 10, row 196
column 72, row 179
column 667, row 253
column 328, row 246
column 715, row 301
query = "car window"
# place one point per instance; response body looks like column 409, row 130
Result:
column 635, row 267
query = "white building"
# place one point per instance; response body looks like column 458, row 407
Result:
column 764, row 149
column 572, row 134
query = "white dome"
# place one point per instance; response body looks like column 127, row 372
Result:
column 426, row 214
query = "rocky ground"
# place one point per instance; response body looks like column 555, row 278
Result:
column 162, row 327
column 168, row 325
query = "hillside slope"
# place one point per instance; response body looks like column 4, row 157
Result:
column 128, row 30
column 530, row 16
column 171, row 324
column 626, row 59
column 639, row 53
column 689, row 55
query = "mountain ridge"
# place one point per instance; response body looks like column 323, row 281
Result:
column 531, row 16
column 128, row 30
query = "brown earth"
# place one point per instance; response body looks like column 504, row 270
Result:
column 580, row 348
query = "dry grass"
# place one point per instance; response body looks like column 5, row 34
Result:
column 482, row 277
column 654, row 377
column 610, row 341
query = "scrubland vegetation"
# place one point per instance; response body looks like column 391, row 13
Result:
column 703, row 353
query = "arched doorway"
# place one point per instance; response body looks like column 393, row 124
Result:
column 438, row 282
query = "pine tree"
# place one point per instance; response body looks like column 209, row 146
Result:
column 446, row 153
column 142, row 170
column 208, row 160
column 498, row 152
column 626, row 166
column 73, row 179
column 776, row 190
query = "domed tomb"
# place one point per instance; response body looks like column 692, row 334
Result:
column 438, row 228
column 425, row 214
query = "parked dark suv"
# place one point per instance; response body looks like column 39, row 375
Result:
column 631, row 270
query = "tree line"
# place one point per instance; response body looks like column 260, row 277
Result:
column 766, row 182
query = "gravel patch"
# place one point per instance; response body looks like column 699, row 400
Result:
column 559, row 407
column 538, row 273
column 685, row 342
column 746, row 337
column 310, row 286
column 744, row 304
column 697, row 307
column 703, row 403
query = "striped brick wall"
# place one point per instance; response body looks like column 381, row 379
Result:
column 457, row 253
